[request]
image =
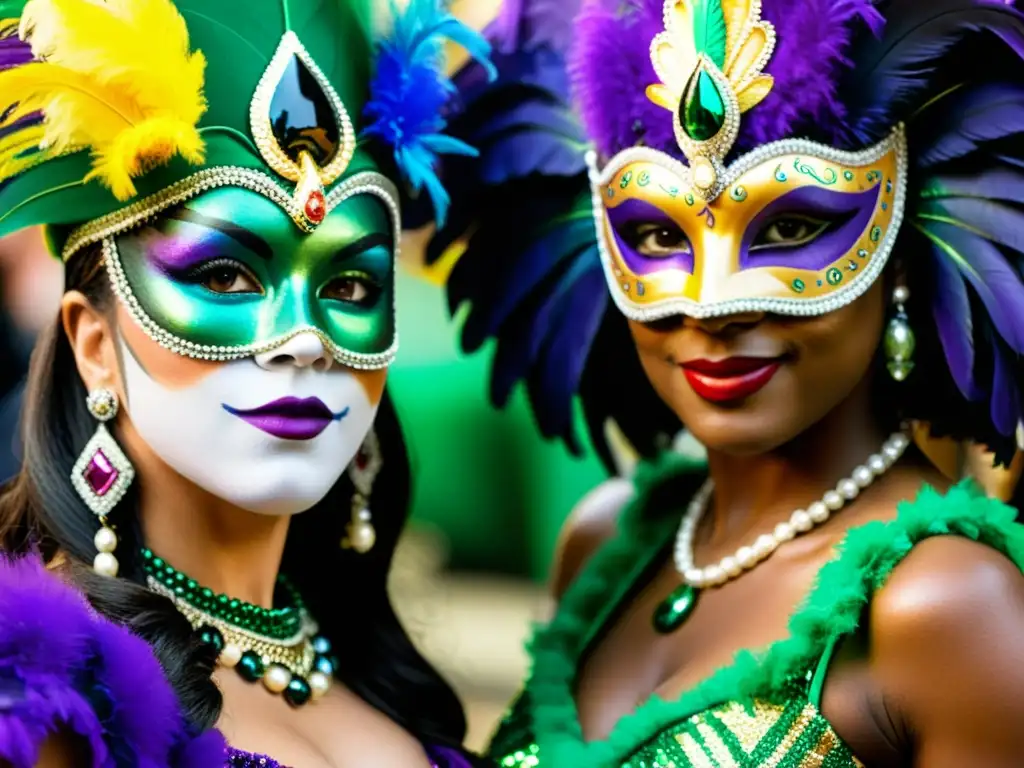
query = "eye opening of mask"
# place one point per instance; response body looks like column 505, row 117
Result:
column 655, row 239
column 358, row 288
column 794, row 230
column 225, row 271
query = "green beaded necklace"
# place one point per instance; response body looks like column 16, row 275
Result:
column 276, row 645
column 278, row 623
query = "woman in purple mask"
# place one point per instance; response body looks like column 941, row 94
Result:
column 206, row 422
column 797, row 232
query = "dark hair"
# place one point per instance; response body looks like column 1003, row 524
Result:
column 346, row 592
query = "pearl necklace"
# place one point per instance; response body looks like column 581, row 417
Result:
column 801, row 521
column 677, row 607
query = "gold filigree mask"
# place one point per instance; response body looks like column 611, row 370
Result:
column 794, row 227
column 800, row 229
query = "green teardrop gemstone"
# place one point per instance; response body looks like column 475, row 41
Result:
column 702, row 111
column 675, row 609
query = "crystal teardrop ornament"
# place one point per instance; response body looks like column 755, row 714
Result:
column 301, row 116
column 702, row 109
column 674, row 610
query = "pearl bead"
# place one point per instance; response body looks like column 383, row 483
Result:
column 765, row 545
column 877, row 464
column 731, row 566
column 819, row 512
column 801, row 521
column 899, row 441
column 230, row 656
column 746, row 557
column 891, row 453
column 319, row 683
column 105, row 540
column 362, row 536
column 848, row 489
column 901, row 294
column 276, row 678
column 833, row 500
column 693, row 576
column 714, row 574
column 105, row 564
column 863, row 476
column 784, row 532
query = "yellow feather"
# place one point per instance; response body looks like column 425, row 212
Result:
column 118, row 78
column 737, row 13
column 754, row 92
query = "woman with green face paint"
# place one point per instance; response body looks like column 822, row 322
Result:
column 207, row 421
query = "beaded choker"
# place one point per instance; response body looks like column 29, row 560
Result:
column 278, row 646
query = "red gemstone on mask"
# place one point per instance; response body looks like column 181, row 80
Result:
column 316, row 207
column 100, row 474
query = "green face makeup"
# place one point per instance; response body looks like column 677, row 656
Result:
column 228, row 274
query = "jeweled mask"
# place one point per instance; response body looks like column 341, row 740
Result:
column 794, row 227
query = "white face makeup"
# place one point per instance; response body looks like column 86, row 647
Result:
column 271, row 435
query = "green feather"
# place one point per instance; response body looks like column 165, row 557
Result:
column 11, row 9
column 709, row 30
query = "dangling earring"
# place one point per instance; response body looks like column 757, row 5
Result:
column 899, row 338
column 360, row 534
column 101, row 476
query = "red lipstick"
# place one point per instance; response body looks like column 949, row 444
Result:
column 731, row 379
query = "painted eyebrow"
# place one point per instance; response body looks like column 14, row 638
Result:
column 244, row 237
column 364, row 243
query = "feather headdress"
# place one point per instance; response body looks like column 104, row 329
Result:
column 134, row 106
column 409, row 93
column 844, row 72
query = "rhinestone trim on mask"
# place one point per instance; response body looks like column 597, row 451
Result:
column 107, row 228
column 849, row 293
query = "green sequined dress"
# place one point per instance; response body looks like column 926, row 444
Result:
column 763, row 709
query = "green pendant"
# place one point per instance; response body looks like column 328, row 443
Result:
column 675, row 609
column 702, row 112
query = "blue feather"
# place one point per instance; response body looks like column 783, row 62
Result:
column 410, row 90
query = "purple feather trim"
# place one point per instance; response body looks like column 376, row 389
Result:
column 64, row 667
column 611, row 69
column 525, row 25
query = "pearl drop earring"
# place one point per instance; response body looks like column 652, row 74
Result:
column 101, row 477
column 360, row 535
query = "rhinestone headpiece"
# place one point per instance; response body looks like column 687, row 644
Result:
column 710, row 60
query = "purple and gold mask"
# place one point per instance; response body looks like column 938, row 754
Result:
column 793, row 228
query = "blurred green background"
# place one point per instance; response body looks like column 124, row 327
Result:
column 486, row 478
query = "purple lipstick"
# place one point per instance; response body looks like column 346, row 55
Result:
column 290, row 418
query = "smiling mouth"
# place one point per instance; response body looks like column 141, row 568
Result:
column 731, row 379
column 290, row 418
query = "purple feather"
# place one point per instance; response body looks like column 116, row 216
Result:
column 525, row 25
column 1004, row 184
column 889, row 73
column 986, row 113
column 565, row 347
column 951, row 310
column 994, row 280
column 61, row 659
column 998, row 222
column 611, row 69
column 1005, row 405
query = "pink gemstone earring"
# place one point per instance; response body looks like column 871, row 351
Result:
column 102, row 476
column 360, row 535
